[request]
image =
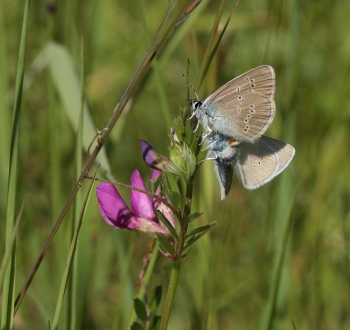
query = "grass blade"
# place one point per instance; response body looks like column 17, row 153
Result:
column 8, row 291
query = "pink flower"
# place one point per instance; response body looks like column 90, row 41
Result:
column 152, row 158
column 142, row 217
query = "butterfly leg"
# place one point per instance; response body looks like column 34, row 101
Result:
column 210, row 158
column 193, row 114
column 204, row 137
column 210, row 145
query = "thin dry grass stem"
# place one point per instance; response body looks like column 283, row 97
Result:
column 212, row 45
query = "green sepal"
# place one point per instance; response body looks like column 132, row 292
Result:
column 179, row 129
column 182, row 160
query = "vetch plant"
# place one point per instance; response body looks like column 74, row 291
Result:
column 156, row 216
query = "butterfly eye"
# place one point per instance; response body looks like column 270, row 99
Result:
column 196, row 105
column 240, row 97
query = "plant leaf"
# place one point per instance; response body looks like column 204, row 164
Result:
column 162, row 218
column 166, row 245
column 155, row 298
column 199, row 230
column 136, row 326
column 66, row 80
column 140, row 309
column 155, row 322
column 192, row 217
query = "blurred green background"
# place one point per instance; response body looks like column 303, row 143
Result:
column 225, row 281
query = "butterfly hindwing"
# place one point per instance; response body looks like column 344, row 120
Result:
column 260, row 162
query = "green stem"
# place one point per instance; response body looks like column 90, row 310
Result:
column 174, row 277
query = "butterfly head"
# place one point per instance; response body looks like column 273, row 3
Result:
column 196, row 104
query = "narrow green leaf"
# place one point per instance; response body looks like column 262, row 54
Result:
column 10, row 272
column 67, row 82
column 197, row 234
column 199, row 230
column 155, row 297
column 192, row 217
column 171, row 183
column 206, row 57
column 172, row 190
column 140, row 309
column 8, row 251
column 192, row 240
column 166, row 245
column 162, row 218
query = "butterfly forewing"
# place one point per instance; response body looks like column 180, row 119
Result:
column 244, row 118
column 259, row 80
column 243, row 107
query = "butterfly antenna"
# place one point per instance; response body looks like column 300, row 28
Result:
column 190, row 85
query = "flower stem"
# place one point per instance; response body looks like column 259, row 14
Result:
column 174, row 277
column 171, row 294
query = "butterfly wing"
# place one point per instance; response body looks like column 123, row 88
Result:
column 224, row 172
column 243, row 107
column 221, row 149
column 260, row 162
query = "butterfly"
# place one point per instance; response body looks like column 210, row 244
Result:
column 234, row 117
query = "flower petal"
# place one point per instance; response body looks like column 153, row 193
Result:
column 141, row 204
column 116, row 213
column 166, row 211
column 147, row 227
column 112, row 206
column 152, row 158
column 155, row 175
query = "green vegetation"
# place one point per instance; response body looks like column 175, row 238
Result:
column 278, row 257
